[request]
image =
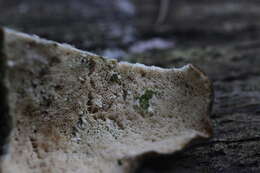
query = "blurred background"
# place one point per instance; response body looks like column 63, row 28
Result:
column 119, row 27
column 222, row 37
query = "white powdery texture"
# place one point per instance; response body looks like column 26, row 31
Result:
column 78, row 112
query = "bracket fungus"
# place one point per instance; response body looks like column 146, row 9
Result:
column 74, row 111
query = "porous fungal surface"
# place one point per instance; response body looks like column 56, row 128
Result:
column 78, row 112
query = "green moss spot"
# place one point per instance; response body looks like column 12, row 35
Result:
column 119, row 162
column 144, row 99
column 115, row 78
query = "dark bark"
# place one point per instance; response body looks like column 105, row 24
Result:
column 5, row 119
column 188, row 18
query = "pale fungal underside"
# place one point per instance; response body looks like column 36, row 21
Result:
column 74, row 111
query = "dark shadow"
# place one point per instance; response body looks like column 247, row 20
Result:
column 5, row 118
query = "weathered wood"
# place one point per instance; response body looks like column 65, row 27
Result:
column 192, row 18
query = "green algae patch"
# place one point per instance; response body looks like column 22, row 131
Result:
column 115, row 78
column 145, row 98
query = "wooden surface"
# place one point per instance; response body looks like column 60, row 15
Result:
column 220, row 37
